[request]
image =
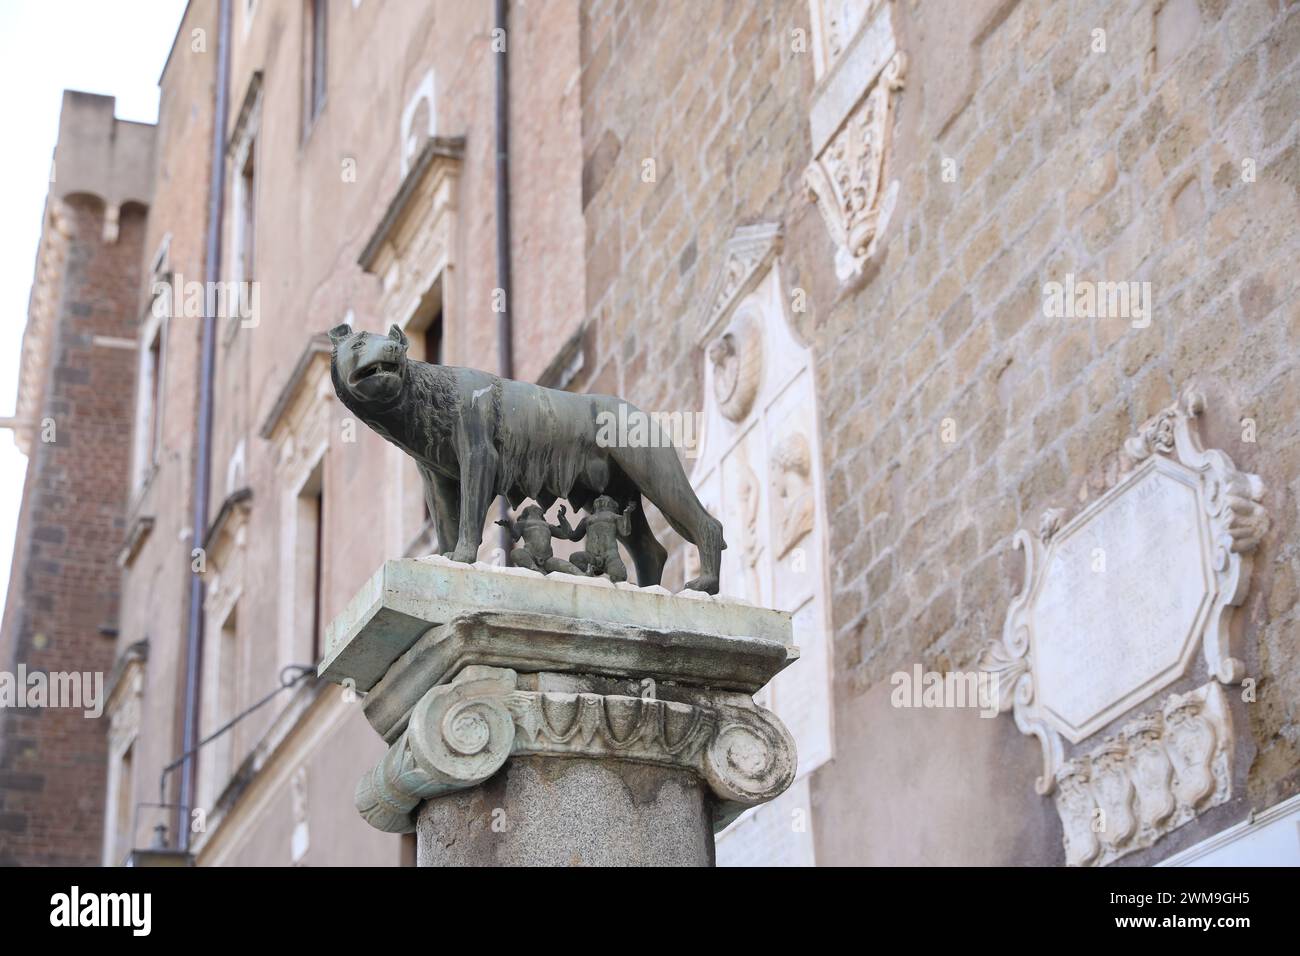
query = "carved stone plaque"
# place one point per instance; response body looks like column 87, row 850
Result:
column 1123, row 592
column 1118, row 599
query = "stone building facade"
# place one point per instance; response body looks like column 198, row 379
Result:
column 828, row 231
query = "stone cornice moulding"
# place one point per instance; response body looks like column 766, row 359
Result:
column 1252, row 826
column 316, row 352
column 568, row 362
column 230, row 518
column 126, row 676
column 250, row 112
column 745, row 258
column 1209, row 558
column 136, row 536
column 440, row 156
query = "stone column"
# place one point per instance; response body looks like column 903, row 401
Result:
column 560, row 720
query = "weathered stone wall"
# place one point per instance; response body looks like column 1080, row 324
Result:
column 1123, row 165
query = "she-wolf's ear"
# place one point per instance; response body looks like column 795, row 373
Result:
column 397, row 335
column 339, row 333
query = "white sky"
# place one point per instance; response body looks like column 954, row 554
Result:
column 113, row 47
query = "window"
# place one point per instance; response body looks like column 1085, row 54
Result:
column 241, row 212
column 125, row 807
column 309, row 567
column 424, row 330
column 247, row 213
column 149, row 398
column 121, row 807
column 431, row 341
column 154, row 364
column 424, row 327
column 123, row 717
column 314, row 74
column 318, row 622
column 219, row 701
column 227, row 699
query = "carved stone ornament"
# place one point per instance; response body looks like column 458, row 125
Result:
column 737, row 358
column 1158, row 772
column 1117, row 600
column 792, row 493
column 744, row 257
column 847, row 179
column 461, row 733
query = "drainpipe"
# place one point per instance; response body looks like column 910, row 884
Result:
column 203, row 458
column 505, row 330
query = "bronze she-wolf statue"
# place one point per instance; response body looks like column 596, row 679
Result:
column 474, row 436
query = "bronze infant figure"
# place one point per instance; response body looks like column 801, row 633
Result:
column 474, row 436
column 601, row 528
column 536, row 553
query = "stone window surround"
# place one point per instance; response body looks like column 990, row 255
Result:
column 123, row 709
column 151, row 385
column 248, row 12
column 243, row 140
column 424, row 208
column 314, row 100
column 225, row 587
column 298, row 426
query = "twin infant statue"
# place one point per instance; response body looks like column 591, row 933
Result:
column 602, row 529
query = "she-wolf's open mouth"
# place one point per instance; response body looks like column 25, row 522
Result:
column 374, row 368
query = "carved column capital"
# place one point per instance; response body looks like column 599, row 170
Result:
column 461, row 733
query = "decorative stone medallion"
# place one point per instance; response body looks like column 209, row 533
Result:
column 737, row 358
column 1117, row 601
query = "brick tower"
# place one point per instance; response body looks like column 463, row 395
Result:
column 73, row 420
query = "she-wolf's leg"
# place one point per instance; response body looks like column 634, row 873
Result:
column 658, row 474
column 478, row 475
column 648, row 555
column 442, row 497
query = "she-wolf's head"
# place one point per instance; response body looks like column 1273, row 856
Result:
column 368, row 368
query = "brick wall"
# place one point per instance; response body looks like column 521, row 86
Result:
column 52, row 761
